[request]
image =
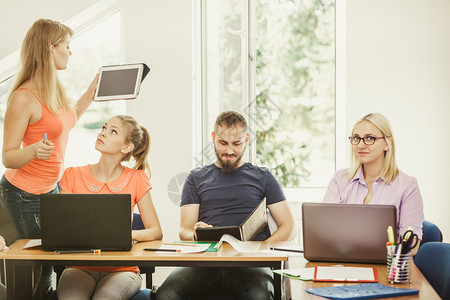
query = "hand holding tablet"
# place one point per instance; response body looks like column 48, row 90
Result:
column 120, row 82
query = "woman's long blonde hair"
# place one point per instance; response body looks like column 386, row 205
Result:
column 390, row 169
column 37, row 62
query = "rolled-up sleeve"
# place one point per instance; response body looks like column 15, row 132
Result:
column 411, row 209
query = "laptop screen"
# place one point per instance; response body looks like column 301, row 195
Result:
column 86, row 221
column 346, row 232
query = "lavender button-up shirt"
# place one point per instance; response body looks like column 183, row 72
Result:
column 403, row 192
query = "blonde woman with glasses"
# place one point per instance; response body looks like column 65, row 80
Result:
column 374, row 177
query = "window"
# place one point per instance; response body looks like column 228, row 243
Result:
column 223, row 62
column 295, row 90
column 96, row 46
column 273, row 61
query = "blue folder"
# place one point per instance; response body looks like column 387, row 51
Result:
column 361, row 291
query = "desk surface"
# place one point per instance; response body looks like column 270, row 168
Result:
column 225, row 254
column 298, row 287
column 20, row 262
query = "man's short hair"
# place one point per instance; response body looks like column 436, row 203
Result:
column 230, row 119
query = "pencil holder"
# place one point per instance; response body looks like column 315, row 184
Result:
column 398, row 268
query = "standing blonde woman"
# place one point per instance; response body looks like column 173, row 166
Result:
column 374, row 177
column 37, row 123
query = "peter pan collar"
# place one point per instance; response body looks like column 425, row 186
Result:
column 115, row 186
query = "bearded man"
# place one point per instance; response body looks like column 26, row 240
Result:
column 221, row 194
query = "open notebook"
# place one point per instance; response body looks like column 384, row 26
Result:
column 247, row 231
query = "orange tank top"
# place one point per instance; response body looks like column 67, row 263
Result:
column 41, row 176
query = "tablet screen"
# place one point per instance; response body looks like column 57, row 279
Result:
column 119, row 82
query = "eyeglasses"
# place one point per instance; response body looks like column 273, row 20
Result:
column 368, row 140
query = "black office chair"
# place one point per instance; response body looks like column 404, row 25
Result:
column 433, row 260
column 431, row 233
column 148, row 271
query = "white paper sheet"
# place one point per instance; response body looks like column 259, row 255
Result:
column 344, row 273
column 184, row 248
column 239, row 245
column 32, row 243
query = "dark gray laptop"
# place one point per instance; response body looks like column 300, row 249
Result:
column 86, row 221
column 346, row 232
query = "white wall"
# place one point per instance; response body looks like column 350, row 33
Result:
column 398, row 64
column 16, row 17
column 159, row 32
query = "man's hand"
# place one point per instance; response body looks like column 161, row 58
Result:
column 199, row 224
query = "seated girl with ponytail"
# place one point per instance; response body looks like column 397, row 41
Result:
column 120, row 139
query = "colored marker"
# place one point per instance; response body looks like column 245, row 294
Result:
column 408, row 233
column 45, row 137
column 390, row 233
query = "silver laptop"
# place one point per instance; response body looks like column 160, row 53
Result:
column 346, row 232
column 86, row 221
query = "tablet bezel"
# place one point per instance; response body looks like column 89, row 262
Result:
column 140, row 68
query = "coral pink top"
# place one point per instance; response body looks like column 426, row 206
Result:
column 41, row 176
column 79, row 180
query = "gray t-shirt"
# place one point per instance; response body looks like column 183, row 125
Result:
column 228, row 198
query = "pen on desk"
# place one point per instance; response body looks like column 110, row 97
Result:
column 78, row 251
column 164, row 250
column 288, row 250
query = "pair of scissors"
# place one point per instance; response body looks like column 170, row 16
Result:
column 409, row 241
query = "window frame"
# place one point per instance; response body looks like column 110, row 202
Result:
column 294, row 195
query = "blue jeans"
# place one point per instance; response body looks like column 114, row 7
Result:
column 204, row 283
column 25, row 211
column 24, row 208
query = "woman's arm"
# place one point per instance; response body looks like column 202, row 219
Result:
column 150, row 219
column 411, row 211
column 87, row 98
column 22, row 111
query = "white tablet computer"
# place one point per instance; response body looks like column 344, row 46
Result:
column 121, row 82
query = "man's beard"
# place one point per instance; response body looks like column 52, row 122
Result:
column 226, row 165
